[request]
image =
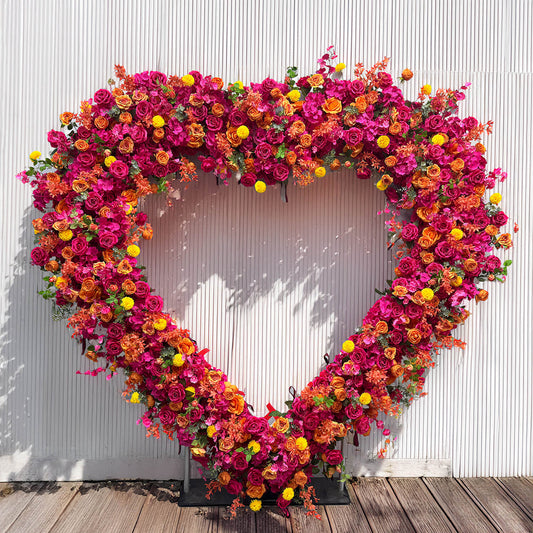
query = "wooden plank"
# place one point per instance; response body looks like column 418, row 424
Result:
column 271, row 520
column 458, row 506
column 45, row 508
column 348, row 518
column 198, row 520
column 159, row 515
column 419, row 505
column 498, row 505
column 14, row 497
column 521, row 490
column 381, row 507
column 244, row 522
column 110, row 507
column 301, row 523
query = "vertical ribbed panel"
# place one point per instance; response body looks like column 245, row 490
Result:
column 268, row 287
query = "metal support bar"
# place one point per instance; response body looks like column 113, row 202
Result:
column 187, row 474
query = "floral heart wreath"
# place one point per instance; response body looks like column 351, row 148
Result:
column 132, row 140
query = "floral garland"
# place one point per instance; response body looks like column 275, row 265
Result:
column 130, row 141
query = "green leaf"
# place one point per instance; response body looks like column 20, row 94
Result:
column 282, row 150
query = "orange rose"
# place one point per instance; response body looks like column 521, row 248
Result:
column 315, row 80
column 123, row 101
column 505, row 240
column 470, row 265
column 491, row 230
column 350, row 119
column 399, row 291
column 101, row 122
column 337, row 382
column 306, row 140
column 186, row 346
column 129, row 287
column 182, row 421
column 457, row 164
column 395, row 128
column 162, row 157
column 196, row 135
column 297, row 128
column 300, row 478
column 51, row 266
column 482, row 295
column 253, row 113
column 124, row 267
column 427, row 257
column 381, row 327
column 425, row 242
column 175, row 406
column 340, row 394
column 361, row 104
column 332, row 106
column 233, row 138
column 224, row 478
column 281, row 424
column 390, row 353
column 79, row 185
column 414, row 336
column 335, row 164
column 217, row 110
column 81, row 145
column 61, row 225
column 125, row 118
column 66, row 117
column 126, row 146
column 390, row 161
column 158, row 134
column 290, row 157
column 236, row 405
column 431, row 233
column 217, row 82
column 256, row 491
column 433, row 171
column 265, row 120
column 268, row 473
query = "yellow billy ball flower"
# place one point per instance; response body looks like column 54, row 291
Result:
column 339, row 67
column 320, row 172
column 426, row 89
column 301, row 443
column 437, row 139
column 109, row 160
column 458, row 281
column 65, row 235
column 238, row 84
column 293, row 95
column 211, row 430
column 190, row 390
column 133, row 250
column 243, row 132
column 135, row 398
column 188, row 80
column 255, row 505
column 457, row 234
column 177, row 360
column 348, row 346
column 383, row 141
column 365, row 398
column 260, row 186
column 160, row 324
column 427, row 294
column 254, row 446
column 127, row 303
column 35, row 155
column 158, row 121
column 288, row 494
column 495, row 198
column 381, row 186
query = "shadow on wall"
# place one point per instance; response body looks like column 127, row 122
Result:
column 246, row 272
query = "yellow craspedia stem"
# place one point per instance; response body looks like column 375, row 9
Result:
column 35, row 155
column 495, row 198
column 260, row 187
column 135, row 398
column 255, row 505
column 348, row 346
column 66, row 235
column 254, row 446
column 133, row 250
column 211, row 430
column 339, row 67
column 158, row 121
column 238, row 84
column 365, row 398
column 109, row 160
column 243, row 132
column 383, row 141
column 188, row 80
column 320, row 172
column 427, row 294
column 426, row 89
column 288, row 494
column 457, row 234
column 293, row 95
column 301, row 443
column 160, row 324
column 178, row 360
column 438, row 139
column 127, row 303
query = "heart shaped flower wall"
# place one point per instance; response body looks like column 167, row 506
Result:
column 132, row 140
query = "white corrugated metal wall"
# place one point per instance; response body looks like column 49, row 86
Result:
column 268, row 287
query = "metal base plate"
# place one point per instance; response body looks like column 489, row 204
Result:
column 328, row 492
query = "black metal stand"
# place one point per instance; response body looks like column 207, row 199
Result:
column 328, row 492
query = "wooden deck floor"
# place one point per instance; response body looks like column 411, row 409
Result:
column 378, row 505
